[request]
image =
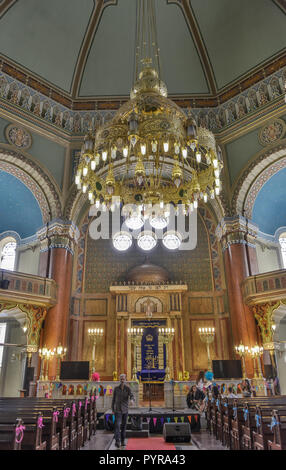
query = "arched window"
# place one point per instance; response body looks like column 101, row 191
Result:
column 282, row 241
column 8, row 253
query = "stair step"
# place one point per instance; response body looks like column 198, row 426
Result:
column 145, row 426
column 142, row 433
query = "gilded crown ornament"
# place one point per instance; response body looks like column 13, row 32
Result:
column 151, row 154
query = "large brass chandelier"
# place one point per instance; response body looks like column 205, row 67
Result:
column 151, row 154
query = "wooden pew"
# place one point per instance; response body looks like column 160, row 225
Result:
column 279, row 428
column 237, row 411
column 252, row 419
column 75, row 419
column 24, row 435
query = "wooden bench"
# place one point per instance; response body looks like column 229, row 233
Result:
column 279, row 428
column 24, row 435
column 252, row 420
column 75, row 419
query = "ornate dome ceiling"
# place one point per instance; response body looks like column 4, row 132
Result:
column 84, row 49
column 148, row 272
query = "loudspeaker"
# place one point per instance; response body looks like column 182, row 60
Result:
column 177, row 432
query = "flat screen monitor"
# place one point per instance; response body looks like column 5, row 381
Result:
column 74, row 370
column 227, row 369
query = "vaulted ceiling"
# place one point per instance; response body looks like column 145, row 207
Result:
column 85, row 48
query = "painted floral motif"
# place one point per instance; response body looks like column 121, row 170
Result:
column 19, row 137
column 272, row 132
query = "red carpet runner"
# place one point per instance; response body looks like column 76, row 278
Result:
column 149, row 443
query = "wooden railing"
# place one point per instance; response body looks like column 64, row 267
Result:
column 27, row 288
column 264, row 287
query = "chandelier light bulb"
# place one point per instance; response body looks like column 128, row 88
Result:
column 199, row 157
column 104, row 155
column 172, row 240
column 154, row 146
column 97, row 159
column 212, row 194
column 184, row 153
column 217, row 190
column 125, row 152
column 217, row 182
column 143, row 149
column 147, row 240
column 84, row 171
column 205, row 197
column 161, row 204
column 215, row 162
column 90, row 195
column 113, row 153
column 195, row 204
column 166, row 146
column 177, row 149
column 122, row 241
column 93, row 165
column 77, row 179
column 97, row 203
column 216, row 173
column 84, row 188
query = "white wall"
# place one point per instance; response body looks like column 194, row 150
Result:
column 268, row 257
column 28, row 260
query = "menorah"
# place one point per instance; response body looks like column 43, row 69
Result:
column 167, row 336
column 94, row 334
column 207, row 336
column 135, row 335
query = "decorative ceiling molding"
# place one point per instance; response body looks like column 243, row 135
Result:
column 281, row 4
column 103, row 103
column 261, row 162
column 199, row 43
column 236, row 114
column 86, row 45
column 5, row 5
column 35, row 179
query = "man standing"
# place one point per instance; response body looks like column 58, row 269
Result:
column 121, row 394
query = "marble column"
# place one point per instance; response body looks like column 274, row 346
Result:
column 56, row 257
column 237, row 236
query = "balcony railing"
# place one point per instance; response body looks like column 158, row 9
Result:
column 264, row 287
column 27, row 288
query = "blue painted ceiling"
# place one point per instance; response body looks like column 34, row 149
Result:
column 19, row 210
column 269, row 210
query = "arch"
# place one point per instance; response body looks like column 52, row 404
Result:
column 36, row 180
column 258, row 171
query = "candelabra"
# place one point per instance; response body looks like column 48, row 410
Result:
column 135, row 335
column 94, row 334
column 207, row 336
column 242, row 351
column 45, row 355
column 59, row 353
column 167, row 336
column 256, row 352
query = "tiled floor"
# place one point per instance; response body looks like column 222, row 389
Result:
column 200, row 441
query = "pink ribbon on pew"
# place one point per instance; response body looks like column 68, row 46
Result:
column 92, row 397
column 66, row 412
column 80, row 405
column 85, row 405
column 73, row 409
column 40, row 422
column 56, row 416
column 20, row 433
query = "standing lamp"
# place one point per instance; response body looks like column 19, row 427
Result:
column 94, row 334
column 167, row 336
column 60, row 353
column 135, row 335
column 207, row 336
column 242, row 351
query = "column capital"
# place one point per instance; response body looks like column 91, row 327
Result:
column 236, row 230
column 58, row 234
